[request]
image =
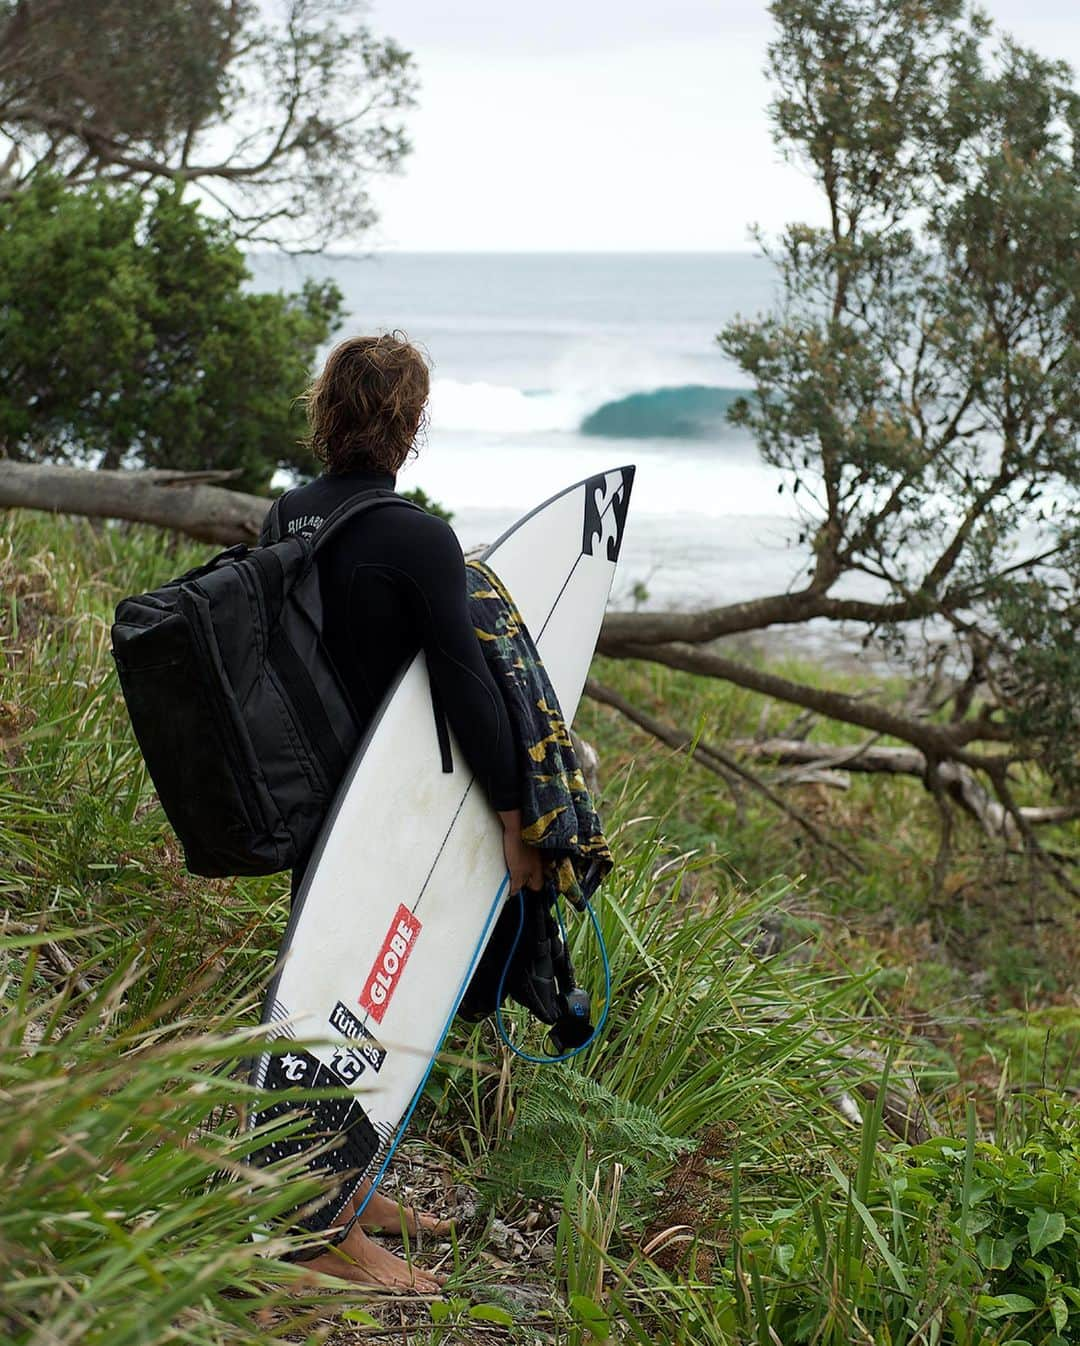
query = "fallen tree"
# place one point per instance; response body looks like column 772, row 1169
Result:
column 822, row 763
column 188, row 502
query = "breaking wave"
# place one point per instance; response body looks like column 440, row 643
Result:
column 693, row 411
column 686, row 412
column 496, row 408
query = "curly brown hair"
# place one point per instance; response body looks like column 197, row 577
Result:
column 367, row 406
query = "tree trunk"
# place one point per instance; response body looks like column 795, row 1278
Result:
column 184, row 501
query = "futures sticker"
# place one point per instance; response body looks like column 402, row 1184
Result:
column 605, row 514
column 367, row 1049
column 390, row 963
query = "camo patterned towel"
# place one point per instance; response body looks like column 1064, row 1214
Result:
column 557, row 809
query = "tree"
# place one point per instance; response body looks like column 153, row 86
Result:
column 280, row 112
column 129, row 339
column 919, row 383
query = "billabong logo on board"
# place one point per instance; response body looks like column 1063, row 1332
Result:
column 605, row 513
column 386, row 971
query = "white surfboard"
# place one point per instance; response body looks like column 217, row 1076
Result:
column 408, row 876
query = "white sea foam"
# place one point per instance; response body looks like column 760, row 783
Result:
column 491, row 408
column 492, row 471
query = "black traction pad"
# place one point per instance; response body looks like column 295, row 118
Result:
column 340, row 1120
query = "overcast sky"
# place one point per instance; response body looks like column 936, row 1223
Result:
column 609, row 125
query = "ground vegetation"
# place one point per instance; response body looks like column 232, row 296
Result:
column 793, row 1127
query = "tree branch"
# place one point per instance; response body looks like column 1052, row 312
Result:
column 646, row 628
column 714, row 760
column 942, row 740
column 873, row 760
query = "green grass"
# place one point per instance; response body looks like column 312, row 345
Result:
column 695, row 1171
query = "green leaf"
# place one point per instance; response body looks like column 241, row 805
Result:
column 443, row 1309
column 998, row 1306
column 491, row 1313
column 1043, row 1269
column 1059, row 1311
column 588, row 1314
column 994, row 1254
column 1045, row 1227
column 871, row 1228
column 359, row 1317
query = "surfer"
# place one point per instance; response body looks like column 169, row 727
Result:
column 390, row 586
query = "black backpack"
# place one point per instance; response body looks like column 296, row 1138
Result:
column 245, row 725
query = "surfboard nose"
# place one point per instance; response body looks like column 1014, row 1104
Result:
column 607, row 497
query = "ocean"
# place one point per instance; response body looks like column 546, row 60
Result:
column 549, row 367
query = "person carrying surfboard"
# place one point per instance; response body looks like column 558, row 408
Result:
column 392, row 583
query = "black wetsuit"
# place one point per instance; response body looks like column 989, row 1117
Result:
column 394, row 583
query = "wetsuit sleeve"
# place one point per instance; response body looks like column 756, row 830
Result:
column 468, row 693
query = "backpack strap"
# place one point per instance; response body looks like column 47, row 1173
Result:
column 359, row 504
column 271, row 529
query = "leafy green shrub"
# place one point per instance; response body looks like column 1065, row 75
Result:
column 129, row 334
column 979, row 1241
column 1021, row 1209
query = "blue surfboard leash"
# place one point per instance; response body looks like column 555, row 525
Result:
column 574, row 1051
column 492, row 915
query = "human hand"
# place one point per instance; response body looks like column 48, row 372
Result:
column 525, row 862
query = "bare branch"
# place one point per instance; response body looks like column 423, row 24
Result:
column 713, row 759
column 944, row 740
column 958, row 780
column 802, row 605
column 296, row 112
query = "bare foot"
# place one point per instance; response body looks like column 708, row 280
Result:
column 382, row 1213
column 386, row 1215
column 364, row 1262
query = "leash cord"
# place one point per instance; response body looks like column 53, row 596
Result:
column 574, row 1051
